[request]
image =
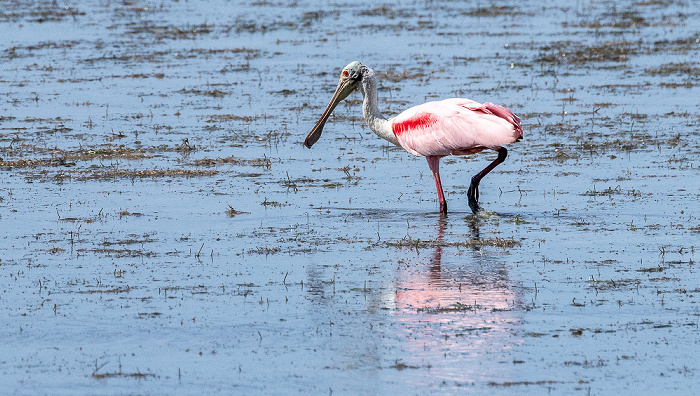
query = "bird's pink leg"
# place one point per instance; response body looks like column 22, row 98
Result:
column 434, row 164
column 473, row 192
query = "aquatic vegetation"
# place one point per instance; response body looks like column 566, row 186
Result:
column 165, row 231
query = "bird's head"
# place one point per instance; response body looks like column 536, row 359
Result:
column 350, row 79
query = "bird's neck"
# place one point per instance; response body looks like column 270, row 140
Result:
column 374, row 119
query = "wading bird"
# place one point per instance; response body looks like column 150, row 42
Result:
column 434, row 129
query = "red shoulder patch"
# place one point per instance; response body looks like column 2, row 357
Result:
column 420, row 120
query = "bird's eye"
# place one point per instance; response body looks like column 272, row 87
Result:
column 345, row 73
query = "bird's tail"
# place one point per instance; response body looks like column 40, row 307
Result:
column 507, row 115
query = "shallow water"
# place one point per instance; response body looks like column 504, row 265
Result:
column 164, row 230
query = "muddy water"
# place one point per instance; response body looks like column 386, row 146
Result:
column 164, row 231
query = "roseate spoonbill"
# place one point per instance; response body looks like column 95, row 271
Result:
column 434, row 129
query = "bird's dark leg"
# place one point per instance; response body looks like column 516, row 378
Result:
column 434, row 164
column 473, row 192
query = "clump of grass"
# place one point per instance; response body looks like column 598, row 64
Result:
column 144, row 173
column 456, row 307
column 402, row 366
column 607, row 192
column 68, row 158
column 171, row 32
column 508, row 384
column 214, row 93
column 231, row 212
column 408, row 242
column 107, row 291
column 260, row 162
column 284, row 92
column 124, row 213
column 264, row 250
column 494, row 11
column 229, row 118
column 186, row 146
column 28, row 163
column 137, row 375
column 668, row 69
column 651, row 269
column 575, row 53
column 398, row 77
column 275, row 204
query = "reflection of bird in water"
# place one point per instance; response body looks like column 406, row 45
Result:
column 480, row 283
column 434, row 129
column 457, row 313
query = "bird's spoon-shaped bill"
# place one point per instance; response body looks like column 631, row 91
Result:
column 345, row 87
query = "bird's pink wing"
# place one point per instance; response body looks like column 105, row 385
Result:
column 455, row 126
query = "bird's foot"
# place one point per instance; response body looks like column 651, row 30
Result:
column 474, row 205
column 473, row 194
column 443, row 208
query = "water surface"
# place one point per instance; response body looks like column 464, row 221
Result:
column 164, row 230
